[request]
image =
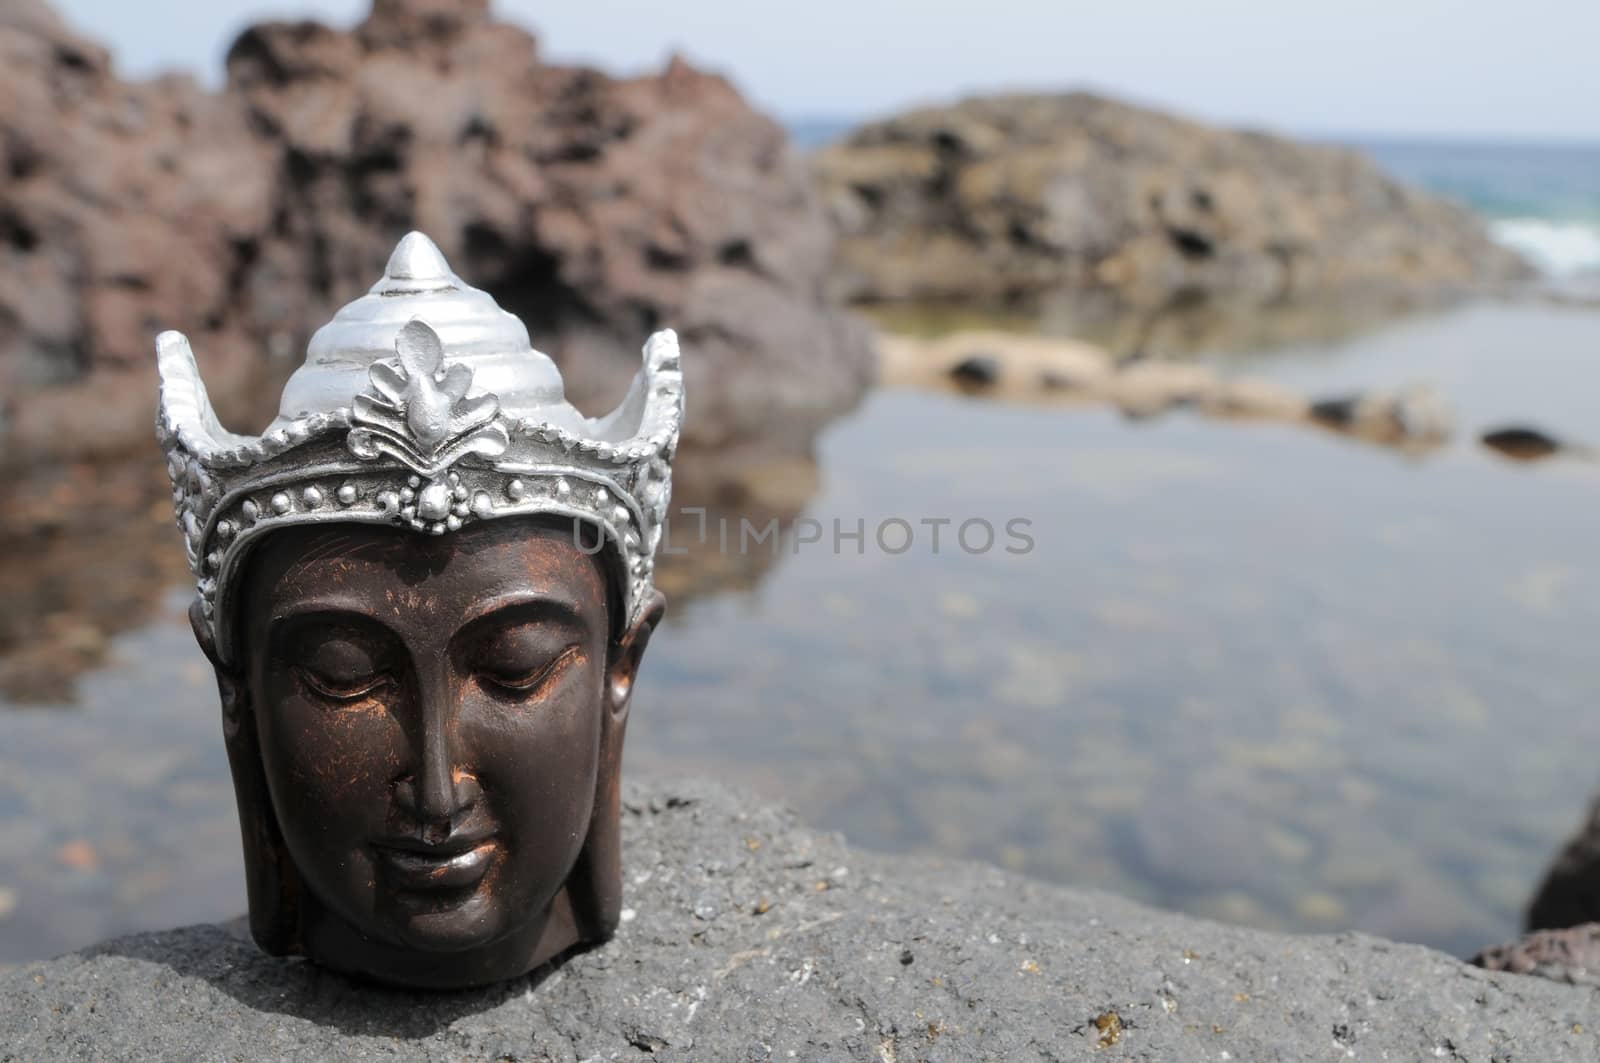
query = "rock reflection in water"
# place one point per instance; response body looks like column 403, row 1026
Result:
column 719, row 534
column 1181, row 329
column 86, row 552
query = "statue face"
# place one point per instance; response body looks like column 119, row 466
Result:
column 433, row 716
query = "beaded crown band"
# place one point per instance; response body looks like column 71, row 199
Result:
column 421, row 404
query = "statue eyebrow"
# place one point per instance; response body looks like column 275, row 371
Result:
column 529, row 606
column 334, row 611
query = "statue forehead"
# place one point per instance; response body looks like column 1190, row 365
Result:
column 455, row 573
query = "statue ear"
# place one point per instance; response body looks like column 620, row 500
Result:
column 272, row 884
column 622, row 663
column 595, row 885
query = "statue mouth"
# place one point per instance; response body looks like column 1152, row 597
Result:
column 458, row 864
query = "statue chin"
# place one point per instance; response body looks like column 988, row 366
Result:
column 471, row 924
column 456, row 948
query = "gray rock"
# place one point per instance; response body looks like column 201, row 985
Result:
column 1001, row 199
column 818, row 952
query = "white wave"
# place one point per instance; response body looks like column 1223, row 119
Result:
column 1558, row 248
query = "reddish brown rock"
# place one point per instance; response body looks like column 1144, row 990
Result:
column 119, row 214
column 595, row 208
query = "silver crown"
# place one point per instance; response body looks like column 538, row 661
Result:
column 421, row 404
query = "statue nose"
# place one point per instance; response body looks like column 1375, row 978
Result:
column 434, row 791
column 439, row 798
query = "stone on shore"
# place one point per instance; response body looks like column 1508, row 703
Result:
column 1525, row 443
column 1005, row 198
column 748, row 937
column 1412, row 414
column 1034, row 369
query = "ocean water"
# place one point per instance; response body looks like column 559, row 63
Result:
column 1541, row 199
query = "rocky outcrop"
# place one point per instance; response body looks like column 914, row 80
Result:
column 124, row 209
column 595, row 208
column 1012, row 197
column 745, row 936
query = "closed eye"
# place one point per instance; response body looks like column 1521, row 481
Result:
column 339, row 690
column 532, row 682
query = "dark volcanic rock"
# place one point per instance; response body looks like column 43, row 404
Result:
column 595, row 208
column 1521, row 443
column 976, row 370
column 748, row 937
column 1015, row 196
column 1569, row 895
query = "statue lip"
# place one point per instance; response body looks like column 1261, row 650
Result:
column 454, row 844
column 457, row 863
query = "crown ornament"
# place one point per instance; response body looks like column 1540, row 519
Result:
column 422, row 404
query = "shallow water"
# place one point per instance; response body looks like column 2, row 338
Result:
column 1261, row 673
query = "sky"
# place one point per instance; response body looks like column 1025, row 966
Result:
column 1464, row 69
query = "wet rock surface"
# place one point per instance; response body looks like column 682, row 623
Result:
column 1007, row 197
column 595, row 208
column 746, row 936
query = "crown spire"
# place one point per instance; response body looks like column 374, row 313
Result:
column 418, row 261
column 473, row 330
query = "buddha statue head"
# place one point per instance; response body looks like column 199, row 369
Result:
column 425, row 591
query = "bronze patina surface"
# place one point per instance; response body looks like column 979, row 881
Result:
column 426, row 741
column 425, row 591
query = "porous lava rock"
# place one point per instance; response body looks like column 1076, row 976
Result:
column 746, row 936
column 596, row 208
